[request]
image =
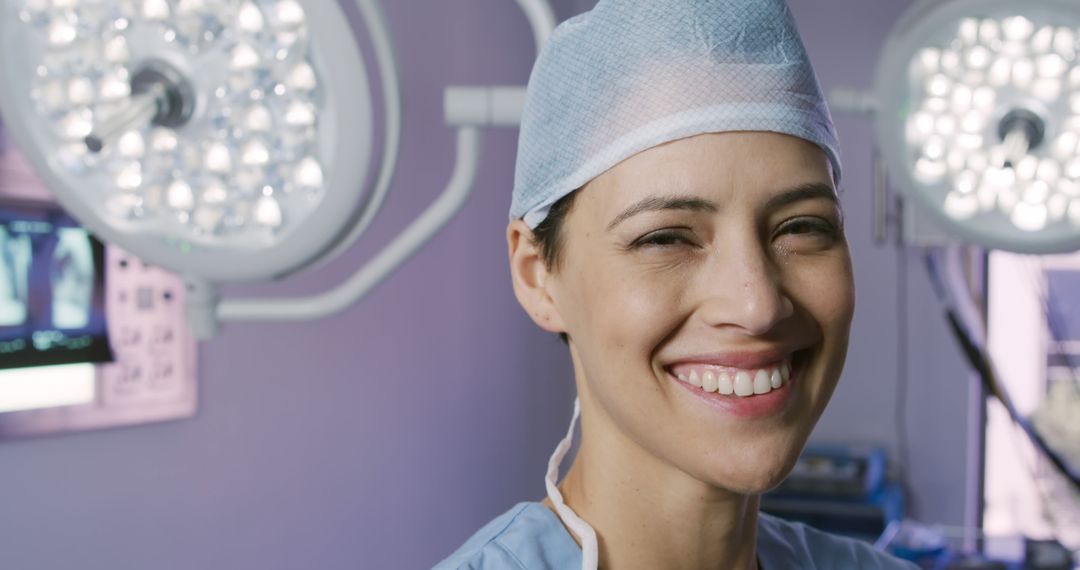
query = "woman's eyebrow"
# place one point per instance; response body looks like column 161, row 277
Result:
column 808, row 191
column 655, row 203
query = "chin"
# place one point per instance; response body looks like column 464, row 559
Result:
column 755, row 469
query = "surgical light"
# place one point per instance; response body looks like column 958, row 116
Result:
column 201, row 135
column 977, row 116
column 227, row 141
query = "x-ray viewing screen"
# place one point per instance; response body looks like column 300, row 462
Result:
column 52, row 283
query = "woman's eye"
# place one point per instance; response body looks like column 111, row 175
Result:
column 809, row 226
column 663, row 238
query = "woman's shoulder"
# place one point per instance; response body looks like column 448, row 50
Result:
column 527, row 537
column 785, row 540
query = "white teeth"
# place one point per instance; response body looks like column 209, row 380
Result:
column 761, row 382
column 724, row 384
column 744, row 386
column 708, row 381
column 741, row 383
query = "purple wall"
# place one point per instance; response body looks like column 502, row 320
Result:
column 384, row 436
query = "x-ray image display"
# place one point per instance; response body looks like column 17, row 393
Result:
column 14, row 277
column 51, row 289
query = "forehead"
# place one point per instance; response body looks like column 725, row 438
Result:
column 746, row 167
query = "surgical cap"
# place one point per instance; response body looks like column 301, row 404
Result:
column 633, row 74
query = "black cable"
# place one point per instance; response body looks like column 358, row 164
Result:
column 901, row 396
column 980, row 362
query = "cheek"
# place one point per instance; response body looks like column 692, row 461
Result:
column 825, row 289
column 630, row 312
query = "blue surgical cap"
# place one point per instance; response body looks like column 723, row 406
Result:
column 633, row 74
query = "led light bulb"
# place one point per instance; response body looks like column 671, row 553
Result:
column 1069, row 188
column 988, row 196
column 112, row 87
column 1000, row 72
column 978, row 57
column 930, row 171
column 131, row 145
column 61, row 33
column 989, row 31
column 1001, row 177
column 180, row 196
column 300, row 114
column 961, row 206
column 1048, row 90
column 218, row 158
column 1037, row 193
column 1065, row 43
column 962, row 97
column 258, row 119
column 1072, row 169
column 1023, row 73
column 934, row 149
column 80, row 91
column 250, row 18
column 130, row 176
column 973, row 122
column 1057, row 206
column 308, row 174
column 956, row 160
column 213, row 193
column 255, row 153
column 302, row 77
column 1049, row 170
column 116, row 50
column 243, row 57
column 77, row 124
column 984, row 99
column 950, row 61
column 970, row 141
column 1029, row 217
column 163, row 140
column 946, row 125
column 1017, row 28
column 967, row 181
column 288, row 13
column 1043, row 40
column 267, row 212
column 155, row 10
column 930, row 60
column 1052, row 65
column 1027, row 167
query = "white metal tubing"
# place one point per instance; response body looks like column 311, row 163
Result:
column 484, row 106
column 381, row 41
column 852, row 101
column 378, row 268
column 541, row 18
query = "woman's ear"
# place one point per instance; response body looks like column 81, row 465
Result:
column 531, row 278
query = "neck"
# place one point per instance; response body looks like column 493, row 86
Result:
column 649, row 515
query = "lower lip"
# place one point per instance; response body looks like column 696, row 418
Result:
column 757, row 405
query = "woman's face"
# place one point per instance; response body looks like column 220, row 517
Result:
column 717, row 258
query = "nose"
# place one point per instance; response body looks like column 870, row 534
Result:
column 743, row 290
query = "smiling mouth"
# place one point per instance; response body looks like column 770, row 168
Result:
column 738, row 382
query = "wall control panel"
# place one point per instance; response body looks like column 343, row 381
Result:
column 153, row 376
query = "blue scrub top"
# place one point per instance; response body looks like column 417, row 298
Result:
column 531, row 537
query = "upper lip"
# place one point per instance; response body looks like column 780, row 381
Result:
column 745, row 359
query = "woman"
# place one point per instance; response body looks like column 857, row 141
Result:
column 675, row 218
